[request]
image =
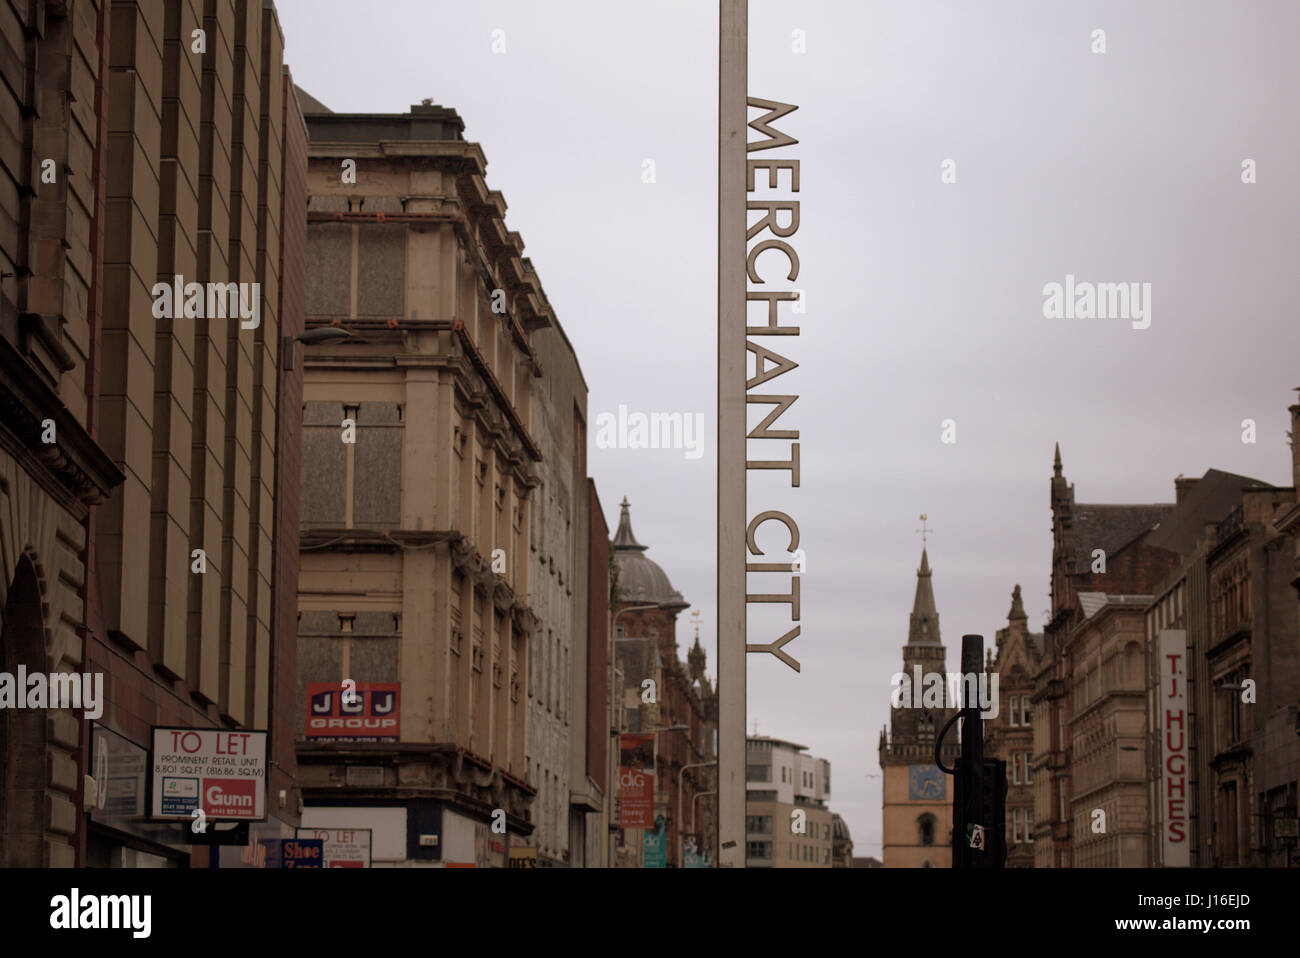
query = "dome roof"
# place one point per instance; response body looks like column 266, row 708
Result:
column 839, row 830
column 640, row 579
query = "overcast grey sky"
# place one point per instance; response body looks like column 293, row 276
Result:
column 924, row 299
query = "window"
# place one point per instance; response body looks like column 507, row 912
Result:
column 758, row 850
column 926, row 823
column 827, row 859
column 925, row 729
column 757, row 796
column 1014, row 719
column 1028, row 764
column 758, row 824
column 758, row 773
column 1024, row 711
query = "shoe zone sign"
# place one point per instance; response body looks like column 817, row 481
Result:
column 218, row 772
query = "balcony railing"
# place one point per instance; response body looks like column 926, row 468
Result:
column 1233, row 521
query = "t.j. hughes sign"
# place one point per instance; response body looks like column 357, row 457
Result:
column 758, row 267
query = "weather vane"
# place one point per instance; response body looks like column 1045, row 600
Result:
column 923, row 530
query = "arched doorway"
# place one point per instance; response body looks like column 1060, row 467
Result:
column 22, row 730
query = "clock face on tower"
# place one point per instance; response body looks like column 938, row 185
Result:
column 926, row 781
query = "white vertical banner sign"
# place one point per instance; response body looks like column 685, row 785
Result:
column 1175, row 778
column 757, row 267
column 733, row 69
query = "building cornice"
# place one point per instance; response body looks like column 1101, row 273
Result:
column 83, row 475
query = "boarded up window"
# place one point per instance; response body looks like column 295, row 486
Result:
column 381, row 270
column 377, row 494
column 324, row 465
column 329, row 269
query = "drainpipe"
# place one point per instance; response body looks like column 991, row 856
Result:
column 89, row 589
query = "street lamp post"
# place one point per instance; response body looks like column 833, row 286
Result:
column 681, row 776
column 698, row 796
column 321, row 334
column 655, row 732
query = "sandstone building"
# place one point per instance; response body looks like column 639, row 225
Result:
column 139, row 492
column 1230, row 602
column 1122, row 777
column 570, row 782
column 447, row 535
column 1009, row 736
column 1096, row 549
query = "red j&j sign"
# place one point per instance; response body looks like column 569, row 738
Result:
column 337, row 712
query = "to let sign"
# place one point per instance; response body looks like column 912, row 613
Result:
column 221, row 772
column 344, row 847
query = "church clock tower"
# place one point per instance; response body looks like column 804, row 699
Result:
column 917, row 793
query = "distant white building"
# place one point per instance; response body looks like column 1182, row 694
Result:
column 787, row 821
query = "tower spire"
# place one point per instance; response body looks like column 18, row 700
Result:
column 624, row 539
column 1017, row 606
column 1056, row 463
column 924, row 628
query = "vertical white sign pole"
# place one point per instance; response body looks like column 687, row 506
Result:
column 733, row 53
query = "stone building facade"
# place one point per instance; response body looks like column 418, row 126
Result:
column 917, row 808
column 1123, row 778
column 1096, row 548
column 420, row 464
column 569, row 802
column 1106, row 725
column 1254, row 636
column 1279, row 799
column 1009, row 735
column 53, row 143
column 139, row 485
column 1181, row 603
